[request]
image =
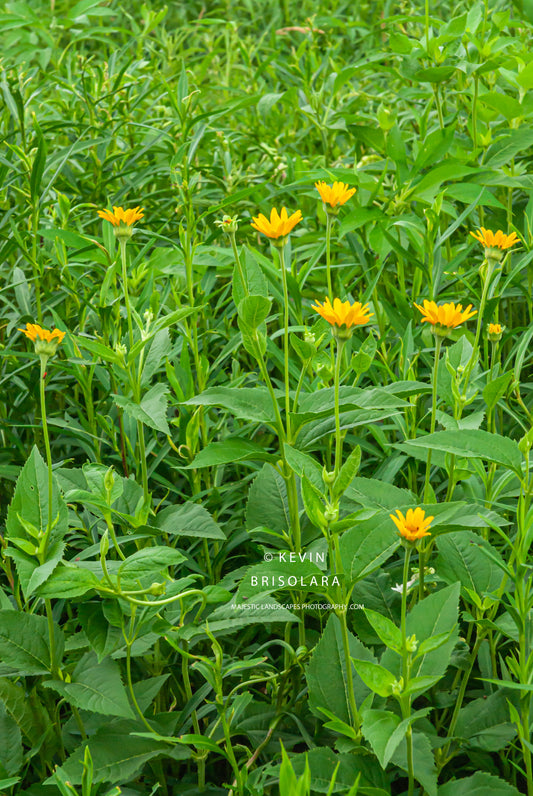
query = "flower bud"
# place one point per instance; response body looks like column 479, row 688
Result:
column 229, row 224
column 495, row 332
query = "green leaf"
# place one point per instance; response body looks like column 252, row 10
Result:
column 248, row 403
column 96, row 687
column 480, row 784
column 367, row 545
column 378, row 727
column 423, row 760
column 68, row 581
column 436, row 614
column 253, row 311
column 326, row 672
column 485, row 723
column 313, row 503
column 347, row 472
column 10, row 743
column 375, row 676
column 118, row 755
column 472, row 444
column 39, row 162
column 24, row 642
column 267, row 501
column 149, row 561
column 496, row 389
column 255, row 280
column 152, row 410
column 386, row 630
column 189, row 519
column 434, row 74
column 462, row 559
column 30, row 503
column 228, row 452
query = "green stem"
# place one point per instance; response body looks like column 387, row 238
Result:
column 329, row 224
column 349, row 674
column 124, row 260
column 281, row 257
column 35, row 267
column 44, row 360
column 484, row 295
column 460, row 697
column 130, row 685
column 239, row 264
column 44, row 543
column 438, row 344
column 338, row 437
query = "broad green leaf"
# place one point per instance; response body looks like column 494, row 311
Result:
column 424, row 762
column 461, row 559
column 496, row 389
column 375, row 676
column 378, row 727
column 253, row 311
column 472, row 444
column 367, row 545
column 10, row 743
column 24, row 642
column 267, row 503
column 149, row 561
column 485, row 723
column 480, row 784
column 68, row 581
column 387, row 631
column 248, row 403
column 256, row 282
column 326, row 672
column 435, row 614
column 96, row 687
column 323, row 762
column 230, row 451
column 189, row 519
column 347, row 472
column 30, row 503
column 118, row 755
column 151, row 411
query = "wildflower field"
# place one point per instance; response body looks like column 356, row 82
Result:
column 266, row 411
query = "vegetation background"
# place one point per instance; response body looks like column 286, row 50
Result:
column 150, row 465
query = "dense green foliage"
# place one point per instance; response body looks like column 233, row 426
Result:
column 202, row 589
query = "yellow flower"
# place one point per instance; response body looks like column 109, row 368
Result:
column 446, row 316
column 495, row 240
column 120, row 217
column 342, row 313
column 45, row 342
column 279, row 225
column 495, row 328
column 337, row 194
column 414, row 525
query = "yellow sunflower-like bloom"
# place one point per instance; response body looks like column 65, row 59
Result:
column 279, row 225
column 414, row 525
column 334, row 195
column 122, row 220
column 495, row 328
column 495, row 240
column 494, row 243
column 45, row 342
column 120, row 216
column 445, row 316
column 342, row 313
